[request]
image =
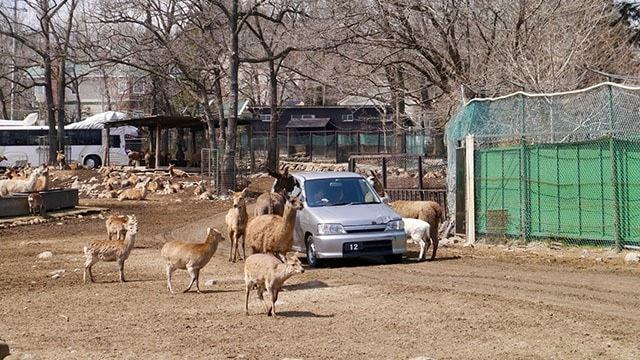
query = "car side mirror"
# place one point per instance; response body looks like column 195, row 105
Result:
column 385, row 200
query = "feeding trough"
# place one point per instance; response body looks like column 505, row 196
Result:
column 55, row 199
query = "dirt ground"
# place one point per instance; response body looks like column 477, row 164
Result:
column 490, row 302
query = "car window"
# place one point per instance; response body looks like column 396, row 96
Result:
column 338, row 192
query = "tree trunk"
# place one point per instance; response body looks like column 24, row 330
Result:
column 211, row 123
column 51, row 114
column 272, row 153
column 3, row 101
column 229, row 158
column 76, row 88
column 60, row 85
column 222, row 122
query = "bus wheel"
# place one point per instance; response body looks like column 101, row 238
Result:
column 92, row 162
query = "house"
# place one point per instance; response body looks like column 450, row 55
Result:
column 351, row 113
column 118, row 88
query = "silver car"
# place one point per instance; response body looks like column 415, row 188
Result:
column 342, row 216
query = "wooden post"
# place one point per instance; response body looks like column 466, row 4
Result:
column 384, row 172
column 158, row 133
column 378, row 142
column 310, row 146
column 358, row 142
column 420, row 180
column 335, row 140
column 470, row 191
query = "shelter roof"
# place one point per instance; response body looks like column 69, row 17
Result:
column 315, row 123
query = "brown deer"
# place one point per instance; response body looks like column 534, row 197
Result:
column 190, row 257
column 236, row 221
column 111, row 250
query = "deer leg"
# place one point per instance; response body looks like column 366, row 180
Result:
column 87, row 268
column 237, row 244
column 197, row 271
column 244, row 254
column 193, row 278
column 121, row 270
column 274, row 298
column 170, row 271
column 232, row 237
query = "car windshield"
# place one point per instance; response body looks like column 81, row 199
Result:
column 339, row 192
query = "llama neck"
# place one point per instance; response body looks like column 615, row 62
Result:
column 31, row 182
column 289, row 216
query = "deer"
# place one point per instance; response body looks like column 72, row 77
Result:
column 190, row 257
column 36, row 204
column 236, row 221
column 273, row 202
column 60, row 159
column 265, row 272
column 111, row 250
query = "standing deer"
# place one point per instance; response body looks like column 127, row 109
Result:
column 236, row 221
column 111, row 250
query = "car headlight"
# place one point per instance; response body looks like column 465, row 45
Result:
column 395, row 225
column 330, row 229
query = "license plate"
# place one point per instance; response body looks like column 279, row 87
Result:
column 352, row 247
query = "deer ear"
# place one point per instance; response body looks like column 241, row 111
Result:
column 285, row 171
column 244, row 192
column 231, row 192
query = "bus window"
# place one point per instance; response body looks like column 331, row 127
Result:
column 85, row 137
column 114, row 141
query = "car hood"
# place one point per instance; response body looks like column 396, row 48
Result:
column 352, row 215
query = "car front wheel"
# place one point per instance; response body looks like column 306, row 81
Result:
column 312, row 257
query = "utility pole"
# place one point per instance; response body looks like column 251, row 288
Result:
column 13, row 57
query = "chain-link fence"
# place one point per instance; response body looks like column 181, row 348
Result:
column 405, row 177
column 337, row 146
column 561, row 166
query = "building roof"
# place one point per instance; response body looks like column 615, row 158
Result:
column 315, row 123
column 167, row 121
column 353, row 100
column 164, row 121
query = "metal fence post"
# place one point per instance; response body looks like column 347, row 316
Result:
column 524, row 191
column 614, row 173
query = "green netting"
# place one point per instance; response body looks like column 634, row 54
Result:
column 563, row 165
column 561, row 191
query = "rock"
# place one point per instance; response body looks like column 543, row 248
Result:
column 599, row 259
column 57, row 273
column 45, row 255
column 632, row 258
column 4, row 349
column 21, row 356
column 210, row 282
column 585, row 254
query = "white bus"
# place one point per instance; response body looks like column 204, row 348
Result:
column 25, row 145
